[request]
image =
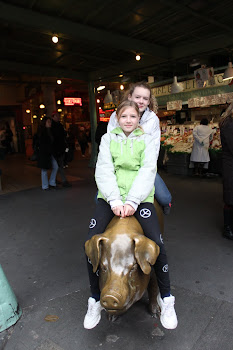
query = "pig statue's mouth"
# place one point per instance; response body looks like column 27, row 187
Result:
column 115, row 312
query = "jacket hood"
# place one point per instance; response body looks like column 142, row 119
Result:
column 119, row 131
column 147, row 114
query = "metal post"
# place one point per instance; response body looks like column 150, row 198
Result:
column 93, row 118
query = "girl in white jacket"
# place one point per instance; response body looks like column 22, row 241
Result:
column 140, row 93
column 125, row 174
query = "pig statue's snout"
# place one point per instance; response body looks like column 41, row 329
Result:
column 113, row 301
column 110, row 302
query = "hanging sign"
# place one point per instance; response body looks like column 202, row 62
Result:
column 174, row 105
column 211, row 100
column 71, row 101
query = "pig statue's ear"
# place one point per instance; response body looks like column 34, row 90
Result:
column 146, row 253
column 93, row 251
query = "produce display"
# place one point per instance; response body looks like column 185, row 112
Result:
column 179, row 138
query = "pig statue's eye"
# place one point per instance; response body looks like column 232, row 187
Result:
column 103, row 268
column 134, row 268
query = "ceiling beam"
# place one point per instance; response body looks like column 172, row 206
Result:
column 98, row 9
column 205, row 17
column 202, row 46
column 48, row 48
column 48, row 24
column 123, row 67
column 39, row 70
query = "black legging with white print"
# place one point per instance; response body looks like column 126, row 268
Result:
column 147, row 217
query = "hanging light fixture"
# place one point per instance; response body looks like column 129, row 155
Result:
column 194, row 63
column 108, row 97
column 58, row 102
column 176, row 87
column 42, row 106
column 28, row 111
column 59, row 81
column 228, row 74
column 101, row 87
column 122, row 87
column 98, row 100
column 138, row 57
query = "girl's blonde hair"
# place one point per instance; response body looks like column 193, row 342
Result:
column 153, row 105
column 228, row 113
column 123, row 105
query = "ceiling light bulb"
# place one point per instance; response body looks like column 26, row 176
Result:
column 34, row 116
column 59, row 81
column 42, row 106
column 98, row 100
column 138, row 57
column 120, row 75
column 122, row 87
column 58, row 102
column 55, row 39
column 59, row 110
column 28, row 111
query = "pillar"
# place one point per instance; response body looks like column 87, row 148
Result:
column 93, row 119
column 49, row 99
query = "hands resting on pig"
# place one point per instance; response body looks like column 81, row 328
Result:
column 123, row 210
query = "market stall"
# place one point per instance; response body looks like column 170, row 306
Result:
column 176, row 148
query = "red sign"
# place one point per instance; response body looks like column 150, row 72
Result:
column 71, row 101
column 104, row 119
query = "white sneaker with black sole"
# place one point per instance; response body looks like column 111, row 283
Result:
column 168, row 316
column 93, row 314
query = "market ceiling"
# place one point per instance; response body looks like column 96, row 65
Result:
column 99, row 39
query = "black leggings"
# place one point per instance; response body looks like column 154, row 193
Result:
column 147, row 217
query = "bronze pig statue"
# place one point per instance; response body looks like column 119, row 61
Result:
column 124, row 257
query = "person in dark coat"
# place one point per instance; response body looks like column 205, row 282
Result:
column 100, row 131
column 46, row 159
column 226, row 133
column 82, row 139
column 9, row 138
column 59, row 147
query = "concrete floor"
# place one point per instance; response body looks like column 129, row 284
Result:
column 41, row 252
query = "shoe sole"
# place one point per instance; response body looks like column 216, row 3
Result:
column 93, row 325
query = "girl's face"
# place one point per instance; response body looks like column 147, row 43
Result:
column 128, row 120
column 141, row 96
column 48, row 123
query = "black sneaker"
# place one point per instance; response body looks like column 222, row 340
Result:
column 66, row 184
column 227, row 233
column 167, row 209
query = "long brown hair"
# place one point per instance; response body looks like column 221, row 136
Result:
column 153, row 105
column 228, row 113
